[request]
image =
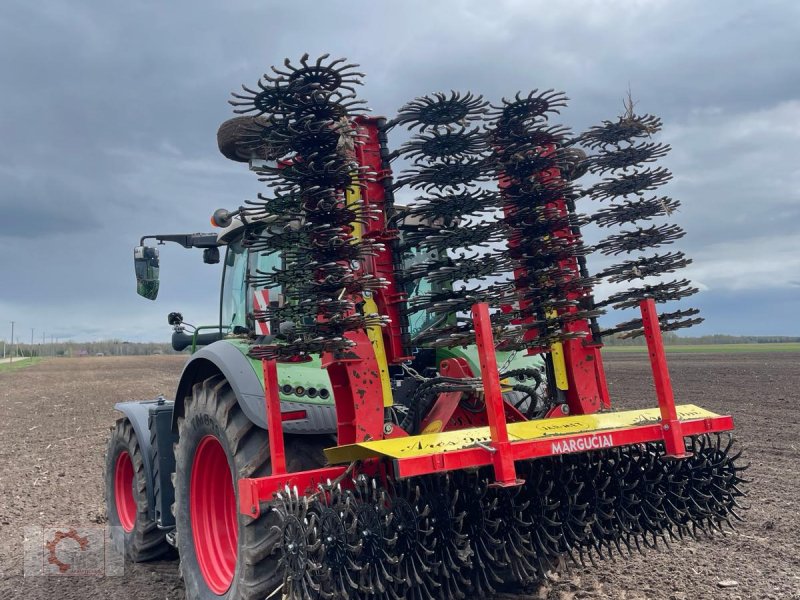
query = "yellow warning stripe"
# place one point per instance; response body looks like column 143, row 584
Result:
column 559, row 363
column 374, row 333
column 433, row 443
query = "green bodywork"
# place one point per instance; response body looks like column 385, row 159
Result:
column 311, row 374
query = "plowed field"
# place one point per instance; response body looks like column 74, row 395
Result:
column 55, row 417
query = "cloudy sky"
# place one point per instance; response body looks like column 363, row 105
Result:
column 109, row 111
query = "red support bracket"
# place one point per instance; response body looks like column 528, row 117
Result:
column 254, row 491
column 671, row 427
column 446, row 404
column 502, row 458
column 274, row 418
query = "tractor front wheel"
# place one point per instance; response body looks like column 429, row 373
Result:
column 225, row 554
column 133, row 532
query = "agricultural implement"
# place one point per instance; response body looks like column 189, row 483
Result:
column 410, row 401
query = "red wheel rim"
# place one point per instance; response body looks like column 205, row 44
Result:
column 123, row 491
column 212, row 505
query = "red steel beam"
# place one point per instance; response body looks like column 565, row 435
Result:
column 587, row 391
column 504, row 470
column 357, row 391
column 479, row 456
column 254, row 491
column 446, row 403
column 673, row 436
column 274, row 418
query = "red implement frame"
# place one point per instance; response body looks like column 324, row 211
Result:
column 671, row 425
column 504, row 470
column 502, row 453
column 253, row 491
column 499, row 452
column 356, row 381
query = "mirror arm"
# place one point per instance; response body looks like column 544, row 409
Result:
column 187, row 240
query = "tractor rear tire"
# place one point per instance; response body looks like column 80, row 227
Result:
column 133, row 532
column 225, row 554
column 234, row 132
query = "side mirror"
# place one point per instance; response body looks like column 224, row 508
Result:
column 145, row 263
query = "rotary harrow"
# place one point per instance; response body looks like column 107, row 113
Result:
column 449, row 477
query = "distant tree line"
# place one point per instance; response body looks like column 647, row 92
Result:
column 673, row 339
column 124, row 348
column 103, row 347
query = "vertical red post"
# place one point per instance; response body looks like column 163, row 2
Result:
column 587, row 391
column 274, row 421
column 504, row 471
column 376, row 193
column 671, row 428
column 357, row 391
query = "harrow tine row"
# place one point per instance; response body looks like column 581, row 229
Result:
column 303, row 115
column 449, row 207
column 522, row 110
column 441, row 111
column 660, row 292
column 622, row 150
column 646, row 266
column 454, row 144
column 630, row 156
column 667, row 321
column 621, row 133
column 451, row 159
column 630, row 211
column 441, row 239
column 639, row 239
column 459, row 537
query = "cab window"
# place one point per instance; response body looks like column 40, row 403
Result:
column 234, row 292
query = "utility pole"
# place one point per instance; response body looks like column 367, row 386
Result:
column 11, row 360
column 30, row 351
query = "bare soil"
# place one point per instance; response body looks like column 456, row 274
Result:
column 55, row 418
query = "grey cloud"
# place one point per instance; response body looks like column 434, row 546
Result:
column 109, row 112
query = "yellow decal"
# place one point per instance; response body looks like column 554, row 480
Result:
column 434, row 427
column 557, row 354
column 375, row 334
column 434, row 443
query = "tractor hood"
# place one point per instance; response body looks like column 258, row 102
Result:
column 305, row 382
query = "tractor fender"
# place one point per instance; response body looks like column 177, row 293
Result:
column 222, row 357
column 138, row 412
